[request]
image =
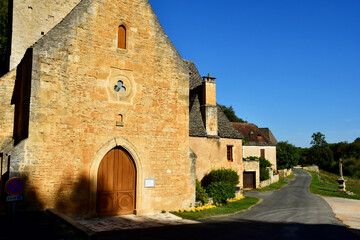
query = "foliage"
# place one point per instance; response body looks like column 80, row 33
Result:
column 264, row 174
column 220, row 192
column 3, row 25
column 318, row 139
column 351, row 167
column 230, row 114
column 287, row 155
column 221, row 175
column 230, row 208
column 201, row 194
column 264, row 163
column 322, row 156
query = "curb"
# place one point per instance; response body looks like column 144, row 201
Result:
column 84, row 231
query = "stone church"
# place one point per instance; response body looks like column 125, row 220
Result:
column 95, row 109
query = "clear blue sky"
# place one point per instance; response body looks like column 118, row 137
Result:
column 292, row 66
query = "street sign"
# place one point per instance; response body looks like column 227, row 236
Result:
column 15, row 186
column 14, row 198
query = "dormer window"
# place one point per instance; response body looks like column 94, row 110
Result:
column 122, row 37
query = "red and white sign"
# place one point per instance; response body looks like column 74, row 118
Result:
column 15, row 186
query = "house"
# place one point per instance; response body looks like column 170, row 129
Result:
column 100, row 90
column 213, row 139
column 257, row 144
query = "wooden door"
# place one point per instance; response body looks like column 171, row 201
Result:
column 249, row 180
column 116, row 184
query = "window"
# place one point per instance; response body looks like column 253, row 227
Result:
column 262, row 153
column 230, row 153
column 122, row 37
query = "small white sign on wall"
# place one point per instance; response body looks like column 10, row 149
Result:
column 149, row 182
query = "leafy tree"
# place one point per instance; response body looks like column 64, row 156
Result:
column 287, row 155
column 230, row 114
column 318, row 139
column 3, row 25
column 320, row 153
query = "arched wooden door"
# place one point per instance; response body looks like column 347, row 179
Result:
column 116, row 183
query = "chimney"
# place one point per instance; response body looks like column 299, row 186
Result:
column 208, row 107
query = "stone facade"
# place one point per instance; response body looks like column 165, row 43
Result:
column 211, row 154
column 76, row 116
column 31, row 20
column 255, row 151
column 252, row 166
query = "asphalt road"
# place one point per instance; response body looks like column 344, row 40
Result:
column 290, row 213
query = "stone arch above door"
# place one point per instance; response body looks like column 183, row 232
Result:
column 99, row 155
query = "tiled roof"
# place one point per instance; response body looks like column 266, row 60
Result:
column 269, row 135
column 196, row 124
column 253, row 133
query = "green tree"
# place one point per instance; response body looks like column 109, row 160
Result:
column 287, row 155
column 320, row 152
column 3, row 25
column 318, row 139
column 230, row 114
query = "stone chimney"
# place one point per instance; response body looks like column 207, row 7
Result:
column 208, row 107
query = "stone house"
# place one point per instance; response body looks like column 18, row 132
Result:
column 257, row 144
column 102, row 92
column 213, row 139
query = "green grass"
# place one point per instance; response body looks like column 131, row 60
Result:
column 227, row 209
column 327, row 185
column 275, row 186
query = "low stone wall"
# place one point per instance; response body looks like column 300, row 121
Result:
column 273, row 179
column 284, row 172
column 311, row 168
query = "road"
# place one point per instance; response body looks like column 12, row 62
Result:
column 290, row 213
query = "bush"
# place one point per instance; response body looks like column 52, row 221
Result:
column 264, row 163
column 201, row 194
column 228, row 176
column 220, row 192
column 264, row 174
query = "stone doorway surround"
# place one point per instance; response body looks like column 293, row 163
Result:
column 95, row 163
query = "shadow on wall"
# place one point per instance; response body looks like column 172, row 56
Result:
column 72, row 199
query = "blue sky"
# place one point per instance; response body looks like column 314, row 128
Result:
column 292, row 66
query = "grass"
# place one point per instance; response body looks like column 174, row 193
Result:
column 227, row 209
column 275, row 186
column 327, row 185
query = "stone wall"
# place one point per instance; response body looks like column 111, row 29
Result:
column 254, row 151
column 212, row 154
column 253, row 166
column 284, row 172
column 76, row 116
column 273, row 179
column 311, row 168
column 31, row 20
column 7, row 83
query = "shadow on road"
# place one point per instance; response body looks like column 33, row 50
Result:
column 235, row 230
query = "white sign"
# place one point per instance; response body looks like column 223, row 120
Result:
column 14, row 198
column 149, row 182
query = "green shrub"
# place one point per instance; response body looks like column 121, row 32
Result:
column 220, row 192
column 264, row 163
column 264, row 174
column 221, row 175
column 201, row 194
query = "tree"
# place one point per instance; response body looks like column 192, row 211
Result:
column 287, row 155
column 320, row 152
column 3, row 25
column 230, row 114
column 318, row 139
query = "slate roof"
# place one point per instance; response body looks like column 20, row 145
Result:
column 253, row 133
column 196, row 124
